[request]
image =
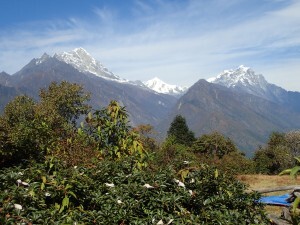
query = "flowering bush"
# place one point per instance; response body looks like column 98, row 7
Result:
column 114, row 192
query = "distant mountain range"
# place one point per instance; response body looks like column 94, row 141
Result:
column 143, row 104
column 238, row 103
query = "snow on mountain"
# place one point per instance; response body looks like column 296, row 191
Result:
column 84, row 62
column 161, row 87
column 81, row 60
column 244, row 79
column 242, row 76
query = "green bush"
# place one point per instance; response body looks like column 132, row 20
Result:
column 275, row 156
column 30, row 130
column 214, row 144
column 178, row 156
column 115, row 193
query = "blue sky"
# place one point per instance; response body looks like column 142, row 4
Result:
column 179, row 41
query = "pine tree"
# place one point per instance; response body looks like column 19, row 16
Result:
column 181, row 132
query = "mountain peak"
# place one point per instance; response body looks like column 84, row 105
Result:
column 160, row 86
column 42, row 59
column 80, row 59
column 240, row 77
column 243, row 68
column 80, row 50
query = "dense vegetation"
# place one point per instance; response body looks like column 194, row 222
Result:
column 279, row 153
column 62, row 162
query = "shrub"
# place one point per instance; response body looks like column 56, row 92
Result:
column 275, row 156
column 114, row 193
column 214, row 144
column 178, row 156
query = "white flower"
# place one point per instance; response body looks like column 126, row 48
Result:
column 119, row 202
column 180, row 184
column 147, row 186
column 25, row 184
column 192, row 180
column 75, row 167
column 109, row 185
column 191, row 192
column 47, row 194
column 160, row 222
column 18, row 206
column 186, row 162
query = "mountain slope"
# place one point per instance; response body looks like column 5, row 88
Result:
column 6, row 95
column 245, row 118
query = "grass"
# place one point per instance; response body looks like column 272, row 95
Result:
column 259, row 181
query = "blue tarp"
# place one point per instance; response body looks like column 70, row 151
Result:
column 276, row 200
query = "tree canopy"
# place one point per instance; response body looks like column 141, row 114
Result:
column 214, row 144
column 275, row 156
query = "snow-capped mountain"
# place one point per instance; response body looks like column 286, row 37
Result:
column 244, row 79
column 80, row 59
column 77, row 66
column 242, row 76
column 161, row 87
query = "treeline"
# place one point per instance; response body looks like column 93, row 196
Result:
column 62, row 162
column 278, row 154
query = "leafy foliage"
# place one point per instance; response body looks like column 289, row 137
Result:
column 173, row 154
column 30, row 129
column 234, row 163
column 113, row 193
column 147, row 137
column 292, row 141
column 214, row 144
column 108, row 129
column 63, row 103
column 18, row 133
column 295, row 214
column 275, row 157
